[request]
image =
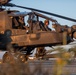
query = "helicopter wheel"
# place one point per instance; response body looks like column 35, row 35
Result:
column 8, row 58
column 23, row 58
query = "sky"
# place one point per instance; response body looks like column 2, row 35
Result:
column 61, row 7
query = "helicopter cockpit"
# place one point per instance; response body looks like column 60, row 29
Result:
column 34, row 24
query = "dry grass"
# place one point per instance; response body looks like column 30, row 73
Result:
column 18, row 68
column 22, row 69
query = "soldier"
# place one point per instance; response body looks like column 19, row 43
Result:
column 21, row 22
column 46, row 23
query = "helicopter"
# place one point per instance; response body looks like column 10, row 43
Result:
column 14, row 31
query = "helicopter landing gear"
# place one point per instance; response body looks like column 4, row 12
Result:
column 40, row 53
column 24, row 54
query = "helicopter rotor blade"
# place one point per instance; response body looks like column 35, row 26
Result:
column 45, row 12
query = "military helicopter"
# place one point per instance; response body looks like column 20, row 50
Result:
column 14, row 30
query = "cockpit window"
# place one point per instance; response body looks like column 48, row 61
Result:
column 18, row 22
